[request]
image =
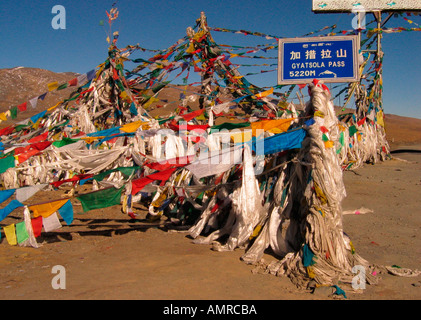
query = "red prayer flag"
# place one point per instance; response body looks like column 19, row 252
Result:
column 192, row 115
column 37, row 226
column 6, row 131
column 170, row 163
column 73, row 82
column 361, row 122
column 22, row 107
column 139, row 184
column 25, row 156
column 188, row 127
column 74, row 179
column 39, row 138
column 324, row 129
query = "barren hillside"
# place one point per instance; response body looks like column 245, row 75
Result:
column 18, row 85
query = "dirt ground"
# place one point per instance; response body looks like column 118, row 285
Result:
column 108, row 256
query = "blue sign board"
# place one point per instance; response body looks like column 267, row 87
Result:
column 331, row 59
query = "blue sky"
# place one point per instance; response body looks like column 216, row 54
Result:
column 29, row 40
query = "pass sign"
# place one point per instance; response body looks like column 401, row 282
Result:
column 331, row 59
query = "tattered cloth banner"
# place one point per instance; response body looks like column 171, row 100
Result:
column 214, row 163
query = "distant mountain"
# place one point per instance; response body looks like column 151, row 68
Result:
column 19, row 85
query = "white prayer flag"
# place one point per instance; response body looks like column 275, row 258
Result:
column 51, row 223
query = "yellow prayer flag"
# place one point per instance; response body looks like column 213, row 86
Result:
column 52, row 86
column 124, row 95
column 55, row 106
column 240, row 136
column 151, row 100
column 190, row 49
column 90, row 140
column 264, row 94
column 319, row 114
column 273, row 126
column 328, row 144
column 3, row 116
column 10, row 232
column 131, row 127
column 380, row 118
column 47, row 209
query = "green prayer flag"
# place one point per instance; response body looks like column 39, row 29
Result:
column 14, row 112
column 63, row 86
column 342, row 142
column 6, row 163
column 126, row 171
column 21, row 232
column 162, row 121
column 101, row 199
column 64, row 142
column 352, row 130
column 160, row 86
column 229, row 126
column 20, row 127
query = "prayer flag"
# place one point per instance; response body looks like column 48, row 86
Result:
column 42, row 97
column 6, row 194
column 6, row 163
column 14, row 112
column 37, row 226
column 39, row 138
column 14, row 204
column 63, row 86
column 280, row 142
column 51, row 222
column 23, row 194
column 273, row 126
column 34, row 102
column 139, row 184
column 264, row 94
column 73, row 82
column 131, row 127
column 21, row 232
column 6, row 131
column 47, row 209
column 66, row 212
column 38, row 116
column 22, row 107
column 52, row 86
column 100, row 199
column 10, row 232
column 190, row 116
